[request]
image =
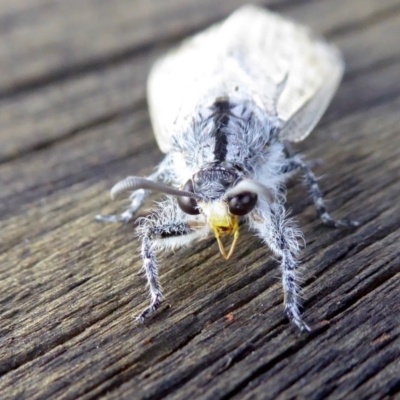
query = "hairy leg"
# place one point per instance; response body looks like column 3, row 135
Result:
column 294, row 163
column 283, row 239
column 166, row 228
column 138, row 197
column 150, row 265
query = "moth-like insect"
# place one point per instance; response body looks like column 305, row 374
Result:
column 224, row 106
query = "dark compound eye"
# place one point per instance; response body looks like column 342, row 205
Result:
column 242, row 204
column 187, row 204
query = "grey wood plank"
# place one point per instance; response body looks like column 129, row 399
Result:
column 38, row 118
column 70, row 287
column 49, row 40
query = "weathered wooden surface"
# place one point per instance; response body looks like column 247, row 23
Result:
column 73, row 121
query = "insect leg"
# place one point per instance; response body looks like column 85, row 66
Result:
column 150, row 267
column 138, row 197
column 161, row 236
column 295, row 163
column 283, row 239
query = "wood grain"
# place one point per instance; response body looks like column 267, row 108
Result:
column 73, row 121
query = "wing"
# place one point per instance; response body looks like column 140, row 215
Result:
column 254, row 56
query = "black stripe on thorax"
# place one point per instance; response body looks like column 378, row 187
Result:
column 221, row 115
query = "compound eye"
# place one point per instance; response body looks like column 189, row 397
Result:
column 242, row 204
column 187, row 204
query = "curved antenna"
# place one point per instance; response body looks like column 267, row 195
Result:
column 248, row 185
column 134, row 183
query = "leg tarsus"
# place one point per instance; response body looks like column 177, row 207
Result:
column 294, row 317
column 289, row 281
column 294, row 163
column 282, row 238
column 155, row 304
column 150, row 265
column 125, row 217
column 138, row 197
column 338, row 223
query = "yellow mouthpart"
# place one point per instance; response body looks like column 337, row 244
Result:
column 222, row 224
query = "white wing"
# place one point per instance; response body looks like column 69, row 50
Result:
column 254, row 55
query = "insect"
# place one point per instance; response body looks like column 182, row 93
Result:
column 224, row 106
